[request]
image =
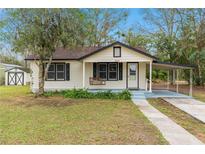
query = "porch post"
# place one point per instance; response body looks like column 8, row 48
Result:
column 190, row 82
column 83, row 74
column 177, row 81
column 150, row 77
column 168, row 80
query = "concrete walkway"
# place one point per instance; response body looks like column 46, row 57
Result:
column 189, row 105
column 172, row 132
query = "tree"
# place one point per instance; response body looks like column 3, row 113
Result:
column 177, row 36
column 192, row 40
column 103, row 24
column 136, row 39
column 41, row 31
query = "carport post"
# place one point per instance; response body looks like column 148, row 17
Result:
column 190, row 82
column 173, row 78
column 168, row 80
column 177, row 81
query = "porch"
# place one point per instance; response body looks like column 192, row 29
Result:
column 115, row 75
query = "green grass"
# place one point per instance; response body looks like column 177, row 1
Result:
column 194, row 126
column 57, row 120
column 12, row 91
column 200, row 96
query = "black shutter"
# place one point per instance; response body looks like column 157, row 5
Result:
column 94, row 70
column 120, row 71
column 44, row 68
column 67, row 71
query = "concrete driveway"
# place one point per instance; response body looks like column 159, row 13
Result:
column 173, row 133
column 189, row 105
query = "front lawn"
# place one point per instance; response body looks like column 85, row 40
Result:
column 185, row 120
column 25, row 119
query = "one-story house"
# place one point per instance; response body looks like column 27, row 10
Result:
column 114, row 66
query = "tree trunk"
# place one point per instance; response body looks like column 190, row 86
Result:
column 41, row 78
column 43, row 74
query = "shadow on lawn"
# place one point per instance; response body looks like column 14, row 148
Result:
column 28, row 101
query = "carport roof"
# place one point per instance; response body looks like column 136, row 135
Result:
column 166, row 65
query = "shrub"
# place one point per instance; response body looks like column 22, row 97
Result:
column 47, row 94
column 125, row 94
column 77, row 93
column 83, row 93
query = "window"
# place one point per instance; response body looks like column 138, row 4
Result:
column 133, row 71
column 60, row 71
column 108, row 71
column 102, row 71
column 116, row 51
column 112, row 73
column 51, row 72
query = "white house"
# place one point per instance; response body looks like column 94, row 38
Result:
column 115, row 66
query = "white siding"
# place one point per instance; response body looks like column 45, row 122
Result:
column 74, row 82
column 127, row 55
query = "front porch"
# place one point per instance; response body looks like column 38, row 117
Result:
column 114, row 75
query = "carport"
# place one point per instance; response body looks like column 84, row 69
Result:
column 175, row 72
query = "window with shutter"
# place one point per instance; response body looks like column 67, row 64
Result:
column 94, row 70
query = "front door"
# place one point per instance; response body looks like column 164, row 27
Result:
column 132, row 75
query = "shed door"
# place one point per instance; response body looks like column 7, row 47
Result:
column 15, row 78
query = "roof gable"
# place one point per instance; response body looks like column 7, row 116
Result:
column 141, row 51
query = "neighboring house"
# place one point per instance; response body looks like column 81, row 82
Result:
column 115, row 66
column 11, row 74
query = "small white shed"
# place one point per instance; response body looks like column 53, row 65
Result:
column 17, row 76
